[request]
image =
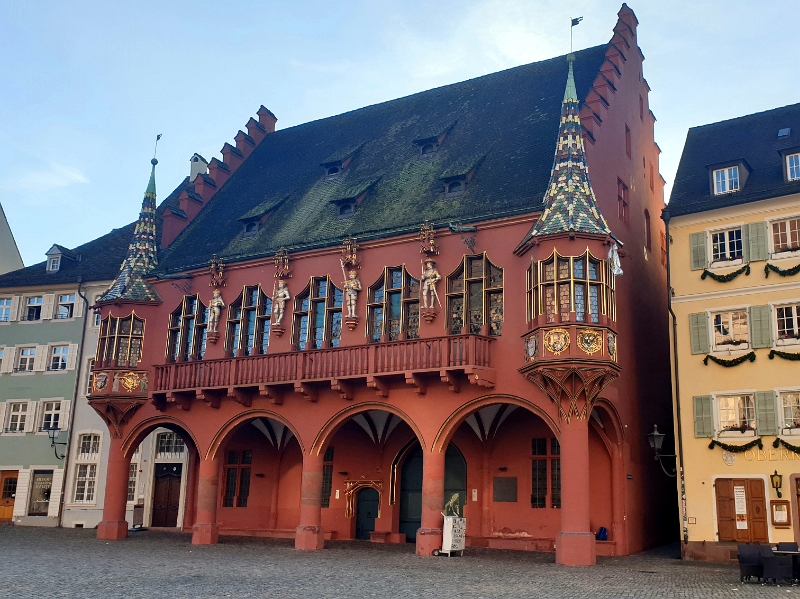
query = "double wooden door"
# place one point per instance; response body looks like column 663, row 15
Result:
column 741, row 510
column 8, row 491
column 167, row 495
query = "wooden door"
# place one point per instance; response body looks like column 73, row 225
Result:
column 411, row 494
column 366, row 512
column 8, row 491
column 166, row 495
column 741, row 510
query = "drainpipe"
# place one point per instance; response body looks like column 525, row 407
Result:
column 74, row 410
column 665, row 215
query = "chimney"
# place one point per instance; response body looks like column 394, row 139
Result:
column 267, row 119
column 197, row 165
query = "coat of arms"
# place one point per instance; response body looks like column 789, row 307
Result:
column 130, row 381
column 612, row 346
column 100, row 381
column 531, row 348
column 556, row 340
column 590, row 341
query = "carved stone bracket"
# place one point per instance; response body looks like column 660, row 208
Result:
column 428, row 314
column 278, row 331
column 351, row 322
column 212, row 337
column 351, row 489
column 116, row 412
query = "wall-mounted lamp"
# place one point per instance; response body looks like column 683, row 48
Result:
column 53, row 433
column 777, row 482
column 503, row 468
column 656, row 441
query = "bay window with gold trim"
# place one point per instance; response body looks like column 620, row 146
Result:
column 249, row 319
column 393, row 306
column 571, row 289
column 186, row 339
column 475, row 297
column 318, row 315
column 120, row 341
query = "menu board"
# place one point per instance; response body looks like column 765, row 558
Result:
column 740, row 504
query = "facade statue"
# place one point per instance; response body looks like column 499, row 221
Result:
column 215, row 306
column 430, row 277
column 613, row 257
column 351, row 288
column 452, row 508
column 279, row 298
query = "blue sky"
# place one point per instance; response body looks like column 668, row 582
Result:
column 86, row 86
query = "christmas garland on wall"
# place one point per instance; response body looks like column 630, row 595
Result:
column 737, row 448
column 793, row 448
column 789, row 272
column 730, row 363
column 783, row 354
column 726, row 278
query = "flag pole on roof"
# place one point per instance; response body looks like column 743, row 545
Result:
column 573, row 22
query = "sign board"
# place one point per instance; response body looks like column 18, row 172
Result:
column 740, row 504
column 454, row 534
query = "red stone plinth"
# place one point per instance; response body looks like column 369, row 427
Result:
column 212, row 337
column 428, row 314
column 351, row 322
column 575, row 549
column 112, row 531
column 309, row 538
column 205, row 534
column 277, row 330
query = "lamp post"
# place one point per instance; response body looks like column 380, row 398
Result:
column 777, row 482
column 656, row 441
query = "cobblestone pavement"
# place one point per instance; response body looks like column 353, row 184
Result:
column 41, row 563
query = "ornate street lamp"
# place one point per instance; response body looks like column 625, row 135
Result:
column 656, row 441
column 777, row 481
column 52, row 433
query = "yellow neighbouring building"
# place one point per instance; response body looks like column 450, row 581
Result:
column 734, row 263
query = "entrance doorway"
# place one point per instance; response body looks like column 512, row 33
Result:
column 741, row 510
column 455, row 481
column 366, row 512
column 8, row 491
column 39, row 497
column 166, row 495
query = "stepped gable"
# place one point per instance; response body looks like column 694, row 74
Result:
column 509, row 119
column 570, row 204
column 142, row 256
column 752, row 139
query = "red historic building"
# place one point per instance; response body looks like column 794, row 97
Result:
column 327, row 399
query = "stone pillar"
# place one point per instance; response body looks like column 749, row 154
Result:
column 114, row 526
column 205, row 530
column 190, row 501
column 275, row 491
column 429, row 536
column 309, row 532
column 575, row 544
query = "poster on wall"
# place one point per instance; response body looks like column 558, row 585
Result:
column 740, row 504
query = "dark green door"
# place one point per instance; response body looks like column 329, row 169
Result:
column 366, row 512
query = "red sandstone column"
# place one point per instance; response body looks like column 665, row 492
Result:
column 114, row 526
column 620, row 525
column 429, row 536
column 190, row 502
column 205, row 530
column 575, row 544
column 309, row 532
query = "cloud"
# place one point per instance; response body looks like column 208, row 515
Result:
column 47, row 179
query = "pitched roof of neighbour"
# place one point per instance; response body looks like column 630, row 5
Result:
column 509, row 119
column 752, row 139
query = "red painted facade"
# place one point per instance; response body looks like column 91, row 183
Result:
column 432, row 385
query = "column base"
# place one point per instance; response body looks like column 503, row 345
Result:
column 428, row 540
column 309, row 538
column 112, row 531
column 205, row 534
column 575, row 549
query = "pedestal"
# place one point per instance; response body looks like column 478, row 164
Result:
column 277, row 330
column 351, row 322
column 428, row 314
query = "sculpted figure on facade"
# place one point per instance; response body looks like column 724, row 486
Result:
column 430, row 277
column 215, row 306
column 279, row 298
column 351, row 288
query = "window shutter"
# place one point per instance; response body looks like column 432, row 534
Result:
column 7, row 365
column 63, row 418
column 703, row 416
column 77, row 311
column 21, row 500
column 698, row 332
column 757, row 241
column 699, row 251
column 40, row 359
column 14, row 308
column 55, row 492
column 760, row 327
column 32, row 416
column 745, row 244
column 766, row 417
column 2, row 415
column 47, row 306
column 72, row 356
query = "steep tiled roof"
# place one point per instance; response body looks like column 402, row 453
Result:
column 510, row 118
column 752, row 139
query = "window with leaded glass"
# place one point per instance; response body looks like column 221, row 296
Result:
column 249, row 318
column 475, row 297
column 730, row 329
column 121, row 340
column 393, row 308
column 237, row 478
column 318, row 315
column 726, row 245
column 545, row 458
column 736, row 412
column 786, row 235
column 187, row 330
column 169, row 445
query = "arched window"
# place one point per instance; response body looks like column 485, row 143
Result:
column 318, row 315
column 393, row 308
column 428, row 149
column 455, row 187
column 249, row 322
column 187, row 330
column 346, row 210
column 332, row 171
column 475, row 297
column 251, row 228
column 120, row 341
column 647, row 234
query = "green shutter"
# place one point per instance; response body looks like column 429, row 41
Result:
column 703, row 416
column 699, row 252
column 757, row 241
column 698, row 332
column 766, row 417
column 745, row 244
column 760, row 327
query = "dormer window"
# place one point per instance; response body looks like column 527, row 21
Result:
column 429, row 149
column 726, row 180
column 332, row 172
column 793, row 167
column 56, row 255
column 251, row 228
column 347, row 210
column 53, row 264
column 454, row 188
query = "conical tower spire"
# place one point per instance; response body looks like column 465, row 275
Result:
column 142, row 256
column 569, row 203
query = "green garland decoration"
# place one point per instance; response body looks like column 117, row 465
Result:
column 737, row 448
column 789, row 272
column 783, row 354
column 728, row 277
column 793, row 448
column 730, row 363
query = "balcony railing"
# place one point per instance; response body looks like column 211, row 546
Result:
column 455, row 353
